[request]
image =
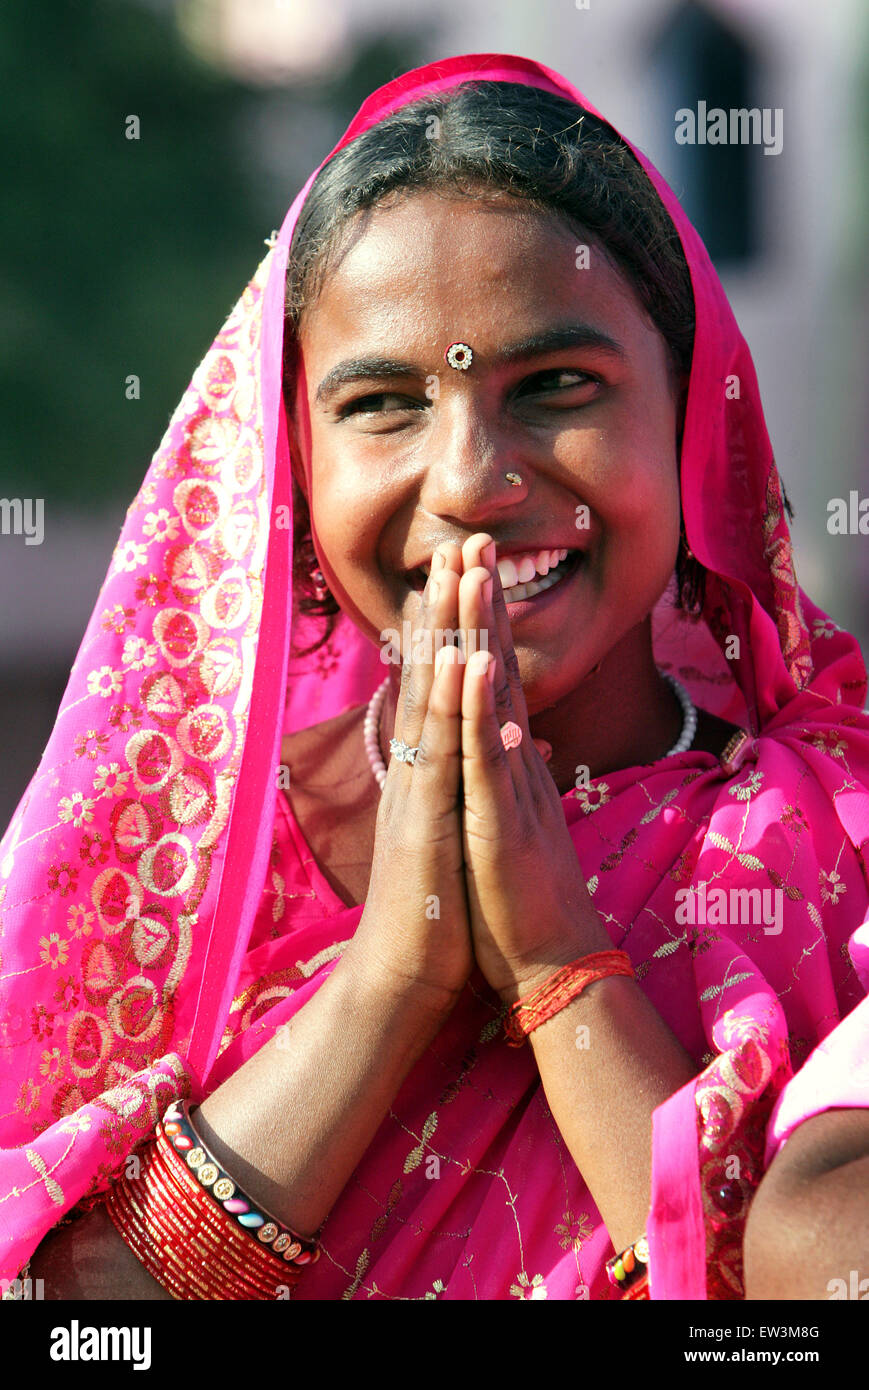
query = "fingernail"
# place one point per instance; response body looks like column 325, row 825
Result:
column 482, row 664
column 487, row 555
column 438, row 560
column 433, row 590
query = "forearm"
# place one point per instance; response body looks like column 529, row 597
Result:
column 292, row 1124
column 809, row 1222
column 602, row 1087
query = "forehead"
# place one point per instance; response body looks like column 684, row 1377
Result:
column 426, row 266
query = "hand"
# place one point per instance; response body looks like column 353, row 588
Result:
column 414, row 930
column 530, row 911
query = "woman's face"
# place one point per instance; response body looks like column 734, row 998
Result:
column 404, row 452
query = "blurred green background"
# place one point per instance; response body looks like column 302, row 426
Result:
column 124, row 256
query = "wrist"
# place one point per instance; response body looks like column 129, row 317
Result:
column 389, row 988
column 527, row 976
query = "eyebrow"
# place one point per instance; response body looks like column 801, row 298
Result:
column 581, row 335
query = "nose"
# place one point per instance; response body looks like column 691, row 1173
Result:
column 467, row 459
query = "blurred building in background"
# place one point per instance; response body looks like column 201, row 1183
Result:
column 123, row 256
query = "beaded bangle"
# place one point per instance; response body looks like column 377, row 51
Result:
column 206, row 1237
column 251, row 1217
column 560, row 990
column 625, row 1271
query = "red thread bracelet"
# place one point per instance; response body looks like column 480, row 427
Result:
column 560, row 990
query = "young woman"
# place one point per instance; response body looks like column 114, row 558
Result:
column 497, row 958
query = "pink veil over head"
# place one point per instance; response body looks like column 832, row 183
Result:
column 132, row 870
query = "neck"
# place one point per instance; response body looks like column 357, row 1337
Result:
column 622, row 714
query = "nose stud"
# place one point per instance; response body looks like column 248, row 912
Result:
column 513, row 479
column 460, row 356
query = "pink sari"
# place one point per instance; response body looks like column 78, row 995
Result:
column 161, row 915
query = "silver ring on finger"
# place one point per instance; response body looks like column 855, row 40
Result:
column 402, row 751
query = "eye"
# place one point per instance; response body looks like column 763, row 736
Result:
column 378, row 404
column 558, row 379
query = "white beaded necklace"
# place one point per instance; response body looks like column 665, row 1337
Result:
column 371, row 726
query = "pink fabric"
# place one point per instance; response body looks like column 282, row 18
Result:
column 139, row 872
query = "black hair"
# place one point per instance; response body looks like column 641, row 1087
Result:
column 498, row 137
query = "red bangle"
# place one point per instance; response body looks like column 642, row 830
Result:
column 193, row 1248
column 560, row 990
column 207, row 1238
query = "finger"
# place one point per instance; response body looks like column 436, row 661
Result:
column 481, row 549
column 439, row 601
column 476, row 608
column 476, row 621
column 501, row 623
column 488, row 783
column 435, row 774
column 478, row 634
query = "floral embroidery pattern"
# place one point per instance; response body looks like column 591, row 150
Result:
column 592, row 798
column 743, row 791
column 528, row 1288
column 573, row 1230
column 832, row 887
column 76, row 808
column 53, row 951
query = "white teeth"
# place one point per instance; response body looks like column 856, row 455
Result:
column 508, row 572
column 514, row 592
column 542, row 562
column 527, row 569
